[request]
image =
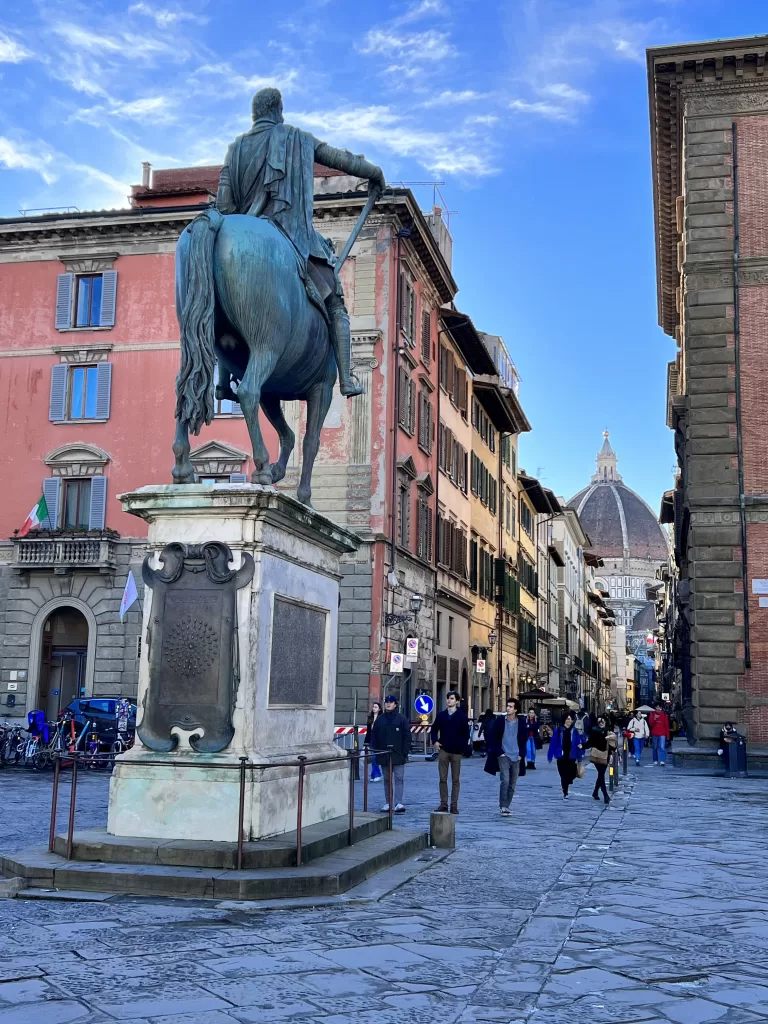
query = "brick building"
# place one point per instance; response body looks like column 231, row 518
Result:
column 709, row 134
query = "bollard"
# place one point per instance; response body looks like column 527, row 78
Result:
column 624, row 757
column 611, row 783
column 442, row 830
column 354, row 763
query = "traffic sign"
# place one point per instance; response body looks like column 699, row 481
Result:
column 424, row 704
column 412, row 649
column 480, row 665
column 395, row 662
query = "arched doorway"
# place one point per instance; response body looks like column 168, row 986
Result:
column 63, row 660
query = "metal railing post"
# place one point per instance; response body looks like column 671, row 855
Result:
column 366, row 769
column 390, row 789
column 54, row 800
column 299, row 808
column 72, row 801
column 624, row 757
column 241, row 813
column 354, row 762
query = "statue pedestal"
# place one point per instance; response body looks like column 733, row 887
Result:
column 275, row 689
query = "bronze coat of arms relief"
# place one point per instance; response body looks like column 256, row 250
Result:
column 192, row 646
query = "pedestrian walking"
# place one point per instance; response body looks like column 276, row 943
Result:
column 567, row 750
column 484, row 723
column 601, row 743
column 450, row 736
column 638, row 729
column 391, row 731
column 658, row 723
column 506, row 740
column 373, row 714
column 533, row 740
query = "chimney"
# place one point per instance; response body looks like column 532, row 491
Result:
column 146, row 174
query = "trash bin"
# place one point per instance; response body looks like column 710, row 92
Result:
column 736, row 759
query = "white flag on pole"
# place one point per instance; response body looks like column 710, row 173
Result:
column 130, row 594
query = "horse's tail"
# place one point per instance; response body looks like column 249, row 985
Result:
column 195, row 305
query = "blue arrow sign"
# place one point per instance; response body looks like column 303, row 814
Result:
column 424, row 704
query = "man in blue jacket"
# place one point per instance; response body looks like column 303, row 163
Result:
column 506, row 753
column 450, row 737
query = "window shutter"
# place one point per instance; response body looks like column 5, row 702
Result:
column 407, row 538
column 51, row 490
column 64, row 287
column 473, row 564
column 108, row 298
column 412, row 406
column 57, row 406
column 403, row 397
column 103, row 390
column 426, row 321
column 238, row 478
column 98, row 510
column 430, row 520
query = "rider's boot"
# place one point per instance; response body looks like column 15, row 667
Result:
column 341, row 340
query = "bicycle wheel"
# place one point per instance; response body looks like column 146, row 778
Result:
column 42, row 759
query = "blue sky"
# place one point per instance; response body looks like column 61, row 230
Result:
column 533, row 113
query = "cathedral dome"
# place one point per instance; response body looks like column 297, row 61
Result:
column 619, row 523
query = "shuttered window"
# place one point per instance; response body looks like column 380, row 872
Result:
column 404, row 512
column 407, row 401
column 86, row 300
column 425, row 526
column 426, row 336
column 426, row 425
column 98, row 506
column 80, row 392
column 473, row 564
column 452, row 547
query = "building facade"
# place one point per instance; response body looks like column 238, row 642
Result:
column 709, row 126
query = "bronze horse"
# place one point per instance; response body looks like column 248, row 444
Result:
column 241, row 301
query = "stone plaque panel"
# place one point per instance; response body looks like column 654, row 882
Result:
column 297, row 661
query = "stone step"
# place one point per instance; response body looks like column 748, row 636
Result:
column 328, row 875
column 279, row 852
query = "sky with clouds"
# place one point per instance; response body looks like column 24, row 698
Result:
column 531, row 114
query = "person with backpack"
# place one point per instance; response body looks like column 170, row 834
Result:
column 658, row 724
column 601, row 743
column 638, row 730
column 392, row 732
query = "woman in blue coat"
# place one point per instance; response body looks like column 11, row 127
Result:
column 566, row 748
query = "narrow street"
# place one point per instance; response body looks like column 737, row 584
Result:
column 567, row 913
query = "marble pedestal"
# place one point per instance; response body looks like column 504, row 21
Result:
column 293, row 599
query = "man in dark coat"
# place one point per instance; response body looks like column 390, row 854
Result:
column 507, row 740
column 392, row 732
column 450, row 737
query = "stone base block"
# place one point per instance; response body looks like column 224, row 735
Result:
column 160, row 801
column 442, row 830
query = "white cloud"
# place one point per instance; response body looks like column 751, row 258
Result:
column 16, row 157
column 486, row 119
column 449, row 98
column 562, row 91
column 147, row 110
column 383, row 128
column 417, row 11
column 551, row 111
column 234, row 84
column 164, row 16
column 12, row 52
column 126, row 45
column 416, row 47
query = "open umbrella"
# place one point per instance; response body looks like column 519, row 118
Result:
column 562, row 702
column 645, row 708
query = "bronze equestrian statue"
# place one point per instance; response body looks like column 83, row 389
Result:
column 258, row 292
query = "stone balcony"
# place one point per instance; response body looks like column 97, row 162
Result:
column 63, row 553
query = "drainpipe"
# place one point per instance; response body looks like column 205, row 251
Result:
column 500, row 598
column 737, row 357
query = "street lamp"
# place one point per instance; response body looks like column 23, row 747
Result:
column 492, row 639
column 416, row 602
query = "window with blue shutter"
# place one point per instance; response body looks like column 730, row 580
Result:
column 103, row 390
column 238, row 478
column 51, row 491
column 64, row 287
column 98, row 511
column 108, row 298
column 57, row 408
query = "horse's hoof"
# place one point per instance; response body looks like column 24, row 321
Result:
column 277, row 471
column 183, row 475
column 305, row 498
column 262, row 476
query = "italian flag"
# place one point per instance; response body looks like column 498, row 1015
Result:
column 35, row 517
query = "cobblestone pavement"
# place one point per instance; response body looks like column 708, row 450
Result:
column 567, row 913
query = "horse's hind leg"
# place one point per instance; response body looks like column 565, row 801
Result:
column 318, row 404
column 249, row 396
column 183, row 471
column 274, row 413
